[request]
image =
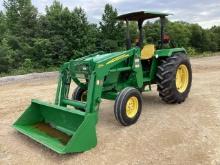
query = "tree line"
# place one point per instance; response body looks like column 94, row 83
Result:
column 29, row 40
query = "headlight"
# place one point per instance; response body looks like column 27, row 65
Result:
column 84, row 68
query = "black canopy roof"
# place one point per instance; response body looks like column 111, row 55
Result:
column 141, row 15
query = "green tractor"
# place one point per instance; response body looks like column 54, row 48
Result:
column 69, row 125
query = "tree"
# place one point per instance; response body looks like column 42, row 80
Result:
column 196, row 37
column 216, row 36
column 3, row 28
column 92, row 39
column 179, row 33
column 133, row 29
column 203, row 40
column 152, row 31
column 112, row 33
column 29, row 40
column 85, row 33
column 21, row 21
column 21, row 18
column 67, row 34
column 6, row 54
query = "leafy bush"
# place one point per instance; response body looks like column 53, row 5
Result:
column 191, row 51
column 27, row 65
column 30, row 42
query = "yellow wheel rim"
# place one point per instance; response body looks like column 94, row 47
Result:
column 182, row 78
column 132, row 107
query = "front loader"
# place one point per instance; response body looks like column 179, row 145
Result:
column 69, row 125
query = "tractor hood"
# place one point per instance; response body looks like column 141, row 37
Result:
column 91, row 60
column 98, row 57
column 87, row 64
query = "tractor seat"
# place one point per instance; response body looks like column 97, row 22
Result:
column 147, row 52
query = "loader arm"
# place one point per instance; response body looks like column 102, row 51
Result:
column 96, row 72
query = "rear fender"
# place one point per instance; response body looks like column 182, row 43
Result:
column 161, row 54
column 168, row 52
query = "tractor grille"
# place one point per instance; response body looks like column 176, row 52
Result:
column 80, row 69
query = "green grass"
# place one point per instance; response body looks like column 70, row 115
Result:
column 205, row 54
column 22, row 71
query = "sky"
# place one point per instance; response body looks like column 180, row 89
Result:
column 204, row 12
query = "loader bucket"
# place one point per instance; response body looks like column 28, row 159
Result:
column 59, row 128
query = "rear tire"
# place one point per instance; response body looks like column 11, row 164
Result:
column 128, row 106
column 174, row 78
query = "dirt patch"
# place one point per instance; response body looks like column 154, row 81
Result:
column 46, row 128
column 188, row 133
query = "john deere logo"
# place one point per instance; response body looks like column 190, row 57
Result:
column 117, row 58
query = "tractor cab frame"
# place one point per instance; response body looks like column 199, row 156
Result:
column 140, row 17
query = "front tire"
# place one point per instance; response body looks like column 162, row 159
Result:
column 174, row 78
column 128, row 106
column 79, row 94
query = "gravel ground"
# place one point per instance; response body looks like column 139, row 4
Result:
column 188, row 133
column 27, row 77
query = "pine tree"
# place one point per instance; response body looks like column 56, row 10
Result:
column 21, row 18
column 3, row 28
column 112, row 33
column 66, row 33
column 21, row 21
